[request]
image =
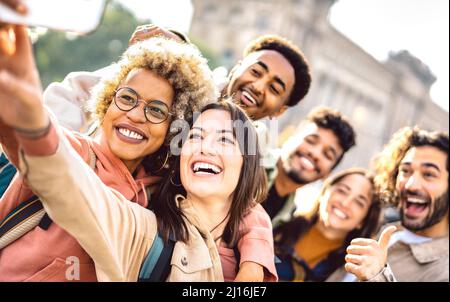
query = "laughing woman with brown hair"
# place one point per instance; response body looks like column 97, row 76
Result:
column 313, row 247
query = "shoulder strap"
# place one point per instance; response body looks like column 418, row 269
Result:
column 21, row 220
column 29, row 214
column 156, row 266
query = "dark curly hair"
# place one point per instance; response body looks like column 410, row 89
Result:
column 386, row 164
column 295, row 57
column 332, row 119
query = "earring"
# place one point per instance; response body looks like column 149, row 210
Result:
column 171, row 181
column 164, row 164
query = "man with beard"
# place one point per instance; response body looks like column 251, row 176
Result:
column 311, row 154
column 414, row 165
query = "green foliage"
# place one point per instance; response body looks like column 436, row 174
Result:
column 212, row 57
column 58, row 54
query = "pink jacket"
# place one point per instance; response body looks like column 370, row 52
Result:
column 40, row 255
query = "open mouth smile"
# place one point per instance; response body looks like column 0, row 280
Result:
column 201, row 168
column 248, row 99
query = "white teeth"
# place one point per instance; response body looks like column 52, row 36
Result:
column 309, row 165
column 249, row 97
column 339, row 213
column 201, row 165
column 130, row 134
column 415, row 200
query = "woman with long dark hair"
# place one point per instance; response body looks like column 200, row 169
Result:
column 313, row 246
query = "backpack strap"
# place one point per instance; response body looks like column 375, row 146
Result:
column 156, row 266
column 21, row 220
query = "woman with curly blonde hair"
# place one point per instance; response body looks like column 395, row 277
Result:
column 156, row 82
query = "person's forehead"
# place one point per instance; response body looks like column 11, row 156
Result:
column 418, row 156
column 358, row 184
column 214, row 120
column 272, row 58
column 327, row 135
column 147, row 83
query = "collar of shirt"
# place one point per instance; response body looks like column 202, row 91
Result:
column 424, row 249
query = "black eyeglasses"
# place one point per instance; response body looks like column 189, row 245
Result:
column 126, row 99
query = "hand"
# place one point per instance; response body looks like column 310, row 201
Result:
column 366, row 258
column 148, row 31
column 7, row 45
column 20, row 88
column 7, row 41
column 250, row 272
column 16, row 5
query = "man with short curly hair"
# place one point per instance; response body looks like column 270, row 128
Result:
column 272, row 76
column 310, row 154
column 412, row 173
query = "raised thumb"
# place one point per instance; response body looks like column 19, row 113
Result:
column 386, row 236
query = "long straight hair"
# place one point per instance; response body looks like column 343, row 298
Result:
column 250, row 190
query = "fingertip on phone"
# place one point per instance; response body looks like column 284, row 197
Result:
column 21, row 8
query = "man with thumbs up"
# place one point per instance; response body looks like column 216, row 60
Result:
column 414, row 168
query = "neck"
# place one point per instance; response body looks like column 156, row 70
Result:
column 330, row 233
column 283, row 183
column 132, row 164
column 440, row 229
column 211, row 211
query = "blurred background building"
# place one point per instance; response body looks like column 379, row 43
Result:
column 378, row 97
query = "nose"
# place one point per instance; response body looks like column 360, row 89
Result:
column 137, row 114
column 257, row 86
column 314, row 152
column 413, row 183
column 207, row 146
column 346, row 202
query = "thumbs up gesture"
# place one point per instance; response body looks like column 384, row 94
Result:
column 367, row 257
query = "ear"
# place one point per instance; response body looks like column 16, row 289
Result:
column 238, row 64
column 279, row 112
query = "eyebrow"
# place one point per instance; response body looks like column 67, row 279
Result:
column 426, row 165
column 364, row 198
column 431, row 165
column 359, row 196
column 277, row 78
column 344, row 185
column 218, row 131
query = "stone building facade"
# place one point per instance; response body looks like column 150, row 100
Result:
column 378, row 97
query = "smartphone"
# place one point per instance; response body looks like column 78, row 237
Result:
column 77, row 16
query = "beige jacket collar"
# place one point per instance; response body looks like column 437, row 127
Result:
column 431, row 251
column 200, row 240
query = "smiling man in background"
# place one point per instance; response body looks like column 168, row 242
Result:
column 414, row 167
column 310, row 154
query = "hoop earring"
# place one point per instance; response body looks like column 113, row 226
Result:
column 171, row 181
column 164, row 164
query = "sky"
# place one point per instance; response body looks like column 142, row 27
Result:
column 378, row 26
